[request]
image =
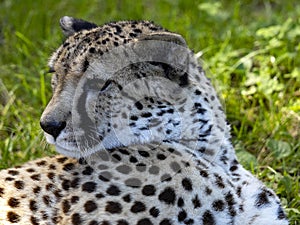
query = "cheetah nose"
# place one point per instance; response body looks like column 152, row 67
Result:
column 53, row 127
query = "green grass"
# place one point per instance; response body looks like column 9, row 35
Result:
column 249, row 48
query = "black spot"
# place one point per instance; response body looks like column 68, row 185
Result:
column 136, row 30
column 146, row 115
column 167, row 195
column 197, row 105
column 44, row 215
column 34, row 220
column 90, row 206
column 280, row 214
column 138, row 207
column 144, row 221
column 113, row 190
column 68, row 167
column 51, row 175
column 36, row 190
column 92, row 50
column 49, row 187
column 230, row 201
column 117, row 157
column 127, row 198
column 104, row 222
column 46, row 200
column 165, row 222
column 132, row 159
column 116, row 43
column 89, row 187
column 138, row 105
column 99, row 195
column 1, row 191
column 201, row 111
column 124, row 151
column 55, row 219
column 13, row 202
column 41, row 163
column 66, row 184
column 132, row 35
column 134, row 118
column 154, row 212
column 13, row 172
column 219, row 181
column 144, row 153
column 170, row 111
column 197, row 92
column 208, row 191
column 85, row 65
column 180, row 202
column 33, row 205
column 118, row 28
column 9, row 179
column 196, row 202
column 74, row 199
column 161, row 156
column 75, row 182
column 208, row 219
column 88, row 170
column 19, row 184
column 76, row 219
column 113, row 207
column 233, row 168
column 189, row 221
column 122, row 222
column 262, row 199
column 218, row 205
column 62, row 159
column 187, row 184
column 148, row 190
column 66, row 206
column 181, row 215
column 203, row 173
column 93, row 222
column 239, row 191
column 171, row 150
column 13, row 217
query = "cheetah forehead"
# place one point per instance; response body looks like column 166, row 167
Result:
column 96, row 40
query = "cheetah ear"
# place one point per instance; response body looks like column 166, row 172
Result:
column 164, row 36
column 70, row 25
column 167, row 50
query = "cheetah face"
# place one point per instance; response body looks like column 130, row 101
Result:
column 127, row 83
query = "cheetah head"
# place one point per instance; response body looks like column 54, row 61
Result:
column 128, row 83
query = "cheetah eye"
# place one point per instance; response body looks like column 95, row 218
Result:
column 106, row 85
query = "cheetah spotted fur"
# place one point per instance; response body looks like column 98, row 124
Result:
column 142, row 135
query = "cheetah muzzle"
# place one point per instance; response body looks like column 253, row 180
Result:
column 143, row 138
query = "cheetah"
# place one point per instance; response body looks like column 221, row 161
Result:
column 142, row 137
